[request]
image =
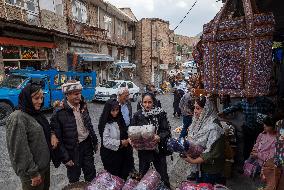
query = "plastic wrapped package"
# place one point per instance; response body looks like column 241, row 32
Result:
column 150, row 181
column 187, row 185
column 142, row 137
column 105, row 180
column 130, row 184
column 184, row 147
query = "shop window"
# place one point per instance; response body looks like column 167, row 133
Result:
column 11, row 52
column 87, row 81
column 29, row 53
column 79, row 11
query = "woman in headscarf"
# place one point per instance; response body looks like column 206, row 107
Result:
column 207, row 132
column 116, row 153
column 30, row 141
column 150, row 115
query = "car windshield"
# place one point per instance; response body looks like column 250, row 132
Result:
column 13, row 81
column 110, row 84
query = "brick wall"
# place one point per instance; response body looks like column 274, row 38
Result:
column 15, row 13
column 50, row 20
column 163, row 54
column 93, row 15
column 61, row 54
column 2, row 8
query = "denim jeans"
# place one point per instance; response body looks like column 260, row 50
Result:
column 187, row 120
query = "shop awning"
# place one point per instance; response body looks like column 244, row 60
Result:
column 94, row 57
column 27, row 43
column 125, row 65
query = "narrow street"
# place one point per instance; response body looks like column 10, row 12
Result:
column 8, row 179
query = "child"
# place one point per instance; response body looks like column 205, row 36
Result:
column 264, row 148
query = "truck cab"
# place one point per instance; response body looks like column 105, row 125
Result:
column 50, row 80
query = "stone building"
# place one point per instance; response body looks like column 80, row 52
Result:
column 155, row 49
column 184, row 47
column 54, row 33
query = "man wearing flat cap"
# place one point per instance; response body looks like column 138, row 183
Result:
column 77, row 139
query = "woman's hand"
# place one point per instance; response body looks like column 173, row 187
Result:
column 124, row 143
column 70, row 163
column 36, row 181
column 157, row 139
column 190, row 160
column 54, row 141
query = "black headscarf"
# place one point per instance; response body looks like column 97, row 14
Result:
column 26, row 105
column 106, row 117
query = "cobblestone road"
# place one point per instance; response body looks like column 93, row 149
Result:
column 9, row 181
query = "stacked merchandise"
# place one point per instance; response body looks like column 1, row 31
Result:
column 188, row 185
column 235, row 52
column 130, row 184
column 105, row 180
column 150, row 181
column 142, row 137
column 184, row 147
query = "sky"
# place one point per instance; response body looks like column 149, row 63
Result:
column 174, row 11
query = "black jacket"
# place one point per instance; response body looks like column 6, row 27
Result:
column 163, row 131
column 64, row 125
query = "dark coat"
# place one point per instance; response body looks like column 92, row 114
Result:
column 64, row 125
column 163, row 131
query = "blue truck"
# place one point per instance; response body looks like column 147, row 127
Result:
column 51, row 81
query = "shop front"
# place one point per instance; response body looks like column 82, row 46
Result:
column 19, row 54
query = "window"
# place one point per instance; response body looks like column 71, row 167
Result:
column 79, row 11
column 120, row 29
column 32, row 5
column 123, row 85
column 55, row 6
column 58, row 7
column 130, row 85
column 15, row 2
column 108, row 25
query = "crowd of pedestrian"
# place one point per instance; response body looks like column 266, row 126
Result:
column 70, row 138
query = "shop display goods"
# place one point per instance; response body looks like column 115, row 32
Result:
column 187, row 185
column 235, row 52
column 105, row 181
column 150, row 181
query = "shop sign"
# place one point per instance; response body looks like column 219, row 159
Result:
column 10, row 52
column 164, row 67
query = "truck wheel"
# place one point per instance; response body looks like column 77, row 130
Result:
column 135, row 97
column 5, row 111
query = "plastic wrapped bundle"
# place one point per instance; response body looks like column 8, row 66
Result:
column 142, row 137
column 105, row 181
column 193, row 150
column 150, row 181
column 175, row 145
column 184, row 147
column 130, row 184
column 187, row 185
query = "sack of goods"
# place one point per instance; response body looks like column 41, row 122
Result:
column 235, row 51
column 130, row 184
column 142, row 137
column 184, row 147
column 105, row 180
column 150, row 181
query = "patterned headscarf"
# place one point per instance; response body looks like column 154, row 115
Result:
column 203, row 130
